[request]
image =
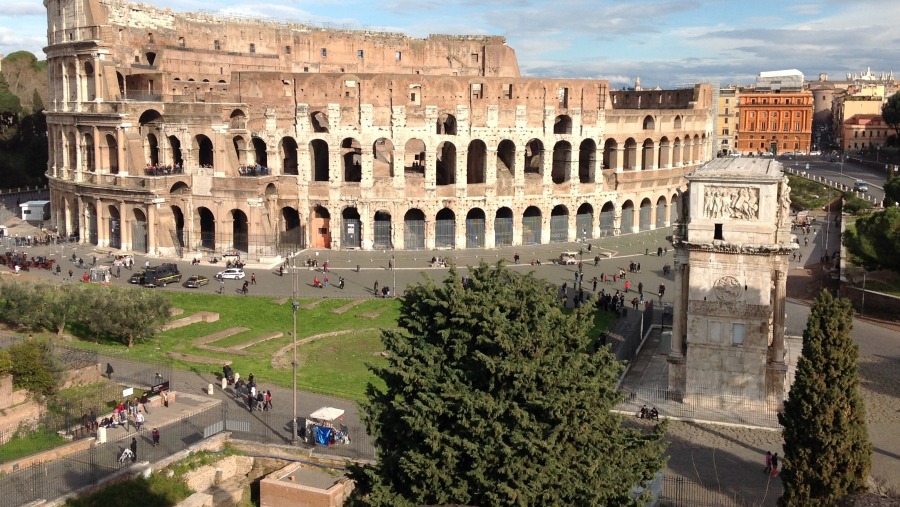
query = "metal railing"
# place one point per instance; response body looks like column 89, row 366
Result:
column 53, row 479
column 679, row 491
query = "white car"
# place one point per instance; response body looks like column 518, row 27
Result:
column 815, row 153
column 231, row 273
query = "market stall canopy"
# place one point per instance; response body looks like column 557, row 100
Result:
column 327, row 413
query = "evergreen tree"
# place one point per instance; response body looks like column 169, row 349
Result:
column 492, row 398
column 827, row 454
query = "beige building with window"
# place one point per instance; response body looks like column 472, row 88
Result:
column 727, row 120
column 173, row 132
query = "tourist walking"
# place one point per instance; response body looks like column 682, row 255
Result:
column 133, row 449
column 155, row 436
column 768, row 462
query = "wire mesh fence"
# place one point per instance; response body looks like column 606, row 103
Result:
column 53, row 479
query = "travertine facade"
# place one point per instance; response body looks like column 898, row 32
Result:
column 731, row 248
column 173, row 131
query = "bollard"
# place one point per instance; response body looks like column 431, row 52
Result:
column 209, row 389
column 101, row 435
column 224, row 382
column 237, row 376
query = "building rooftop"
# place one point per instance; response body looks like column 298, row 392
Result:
column 311, row 477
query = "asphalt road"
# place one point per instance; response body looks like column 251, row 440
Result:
column 847, row 173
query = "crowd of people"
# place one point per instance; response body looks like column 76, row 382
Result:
column 253, row 170
column 163, row 169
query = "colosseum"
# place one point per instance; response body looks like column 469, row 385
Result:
column 178, row 133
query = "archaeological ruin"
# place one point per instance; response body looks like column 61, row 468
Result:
column 178, row 133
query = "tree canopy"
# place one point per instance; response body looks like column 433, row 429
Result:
column 495, row 396
column 890, row 112
column 876, row 239
column 827, row 453
column 892, row 191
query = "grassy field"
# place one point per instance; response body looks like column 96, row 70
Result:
column 334, row 365
column 26, row 445
column 337, row 339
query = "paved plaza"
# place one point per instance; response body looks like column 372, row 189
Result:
column 725, row 458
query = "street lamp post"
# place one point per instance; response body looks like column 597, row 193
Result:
column 295, row 282
column 394, row 273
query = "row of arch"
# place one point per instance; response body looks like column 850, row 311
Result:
column 381, row 158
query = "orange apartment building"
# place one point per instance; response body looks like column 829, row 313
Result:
column 864, row 132
column 775, row 122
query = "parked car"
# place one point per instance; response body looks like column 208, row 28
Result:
column 767, row 154
column 137, row 278
column 815, row 153
column 196, row 281
column 162, row 275
column 231, row 273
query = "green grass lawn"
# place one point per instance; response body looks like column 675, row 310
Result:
column 19, row 447
column 332, row 365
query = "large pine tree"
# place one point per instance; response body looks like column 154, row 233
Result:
column 493, row 397
column 827, row 453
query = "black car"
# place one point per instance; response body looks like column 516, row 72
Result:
column 196, row 282
column 160, row 276
column 137, row 278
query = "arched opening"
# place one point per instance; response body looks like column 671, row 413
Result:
column 531, row 226
column 175, row 153
column 240, row 230
column 608, row 219
column 534, row 157
column 610, row 154
column 203, row 147
column 665, row 154
column 445, row 229
column 673, row 209
column 87, row 157
column 207, row 228
column 414, row 230
column 180, row 188
column 72, row 82
column 506, row 160
column 661, row 214
column 649, row 123
column 696, row 148
column 414, row 159
column 677, row 157
column 561, row 171
column 445, row 166
column 91, row 211
column 587, row 161
column 647, row 155
column 584, row 222
column 383, row 231
column 677, row 122
column 476, row 162
column 120, row 81
column 475, row 219
column 630, row 155
column 318, row 155
column 562, row 124
column 319, row 121
column 291, row 234
column 686, row 151
column 238, row 120
column 627, row 217
column 559, row 224
column 259, row 152
column 151, row 57
column 89, row 93
column 446, row 125
column 112, row 154
column 151, row 150
column 240, row 149
column 351, row 157
column 139, row 241
column 288, row 150
column 503, row 227
column 351, row 228
column 72, row 152
column 179, row 225
column 115, row 227
column 382, row 158
column 321, row 227
column 646, row 215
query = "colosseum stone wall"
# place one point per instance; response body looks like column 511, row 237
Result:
column 174, row 133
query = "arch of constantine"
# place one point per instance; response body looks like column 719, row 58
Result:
column 185, row 131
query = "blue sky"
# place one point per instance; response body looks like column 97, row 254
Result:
column 665, row 42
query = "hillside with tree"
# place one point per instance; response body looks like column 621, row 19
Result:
column 23, row 128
